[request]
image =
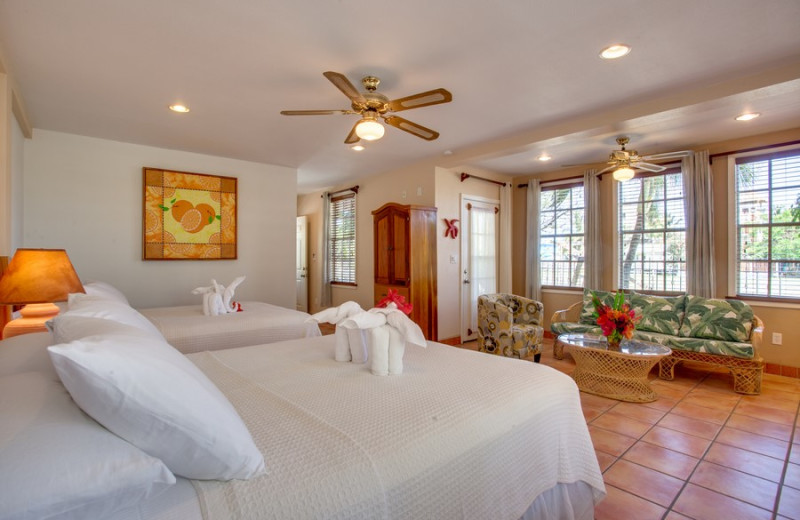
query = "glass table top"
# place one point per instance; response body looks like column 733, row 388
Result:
column 633, row 347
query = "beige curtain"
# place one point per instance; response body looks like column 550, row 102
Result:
column 592, row 245
column 698, row 202
column 325, row 285
column 533, row 286
column 504, row 281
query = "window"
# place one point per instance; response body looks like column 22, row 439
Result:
column 767, row 239
column 561, row 229
column 652, row 232
column 342, row 239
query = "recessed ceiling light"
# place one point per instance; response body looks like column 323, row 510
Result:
column 179, row 108
column 615, row 51
column 544, row 157
column 447, row 152
column 357, row 147
column 748, row 116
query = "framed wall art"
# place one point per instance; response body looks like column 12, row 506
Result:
column 188, row 216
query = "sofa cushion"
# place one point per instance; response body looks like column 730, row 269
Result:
column 658, row 313
column 724, row 320
column 587, row 311
column 712, row 346
column 568, row 327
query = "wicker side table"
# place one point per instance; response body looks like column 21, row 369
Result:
column 620, row 375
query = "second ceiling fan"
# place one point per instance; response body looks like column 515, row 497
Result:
column 624, row 162
column 372, row 106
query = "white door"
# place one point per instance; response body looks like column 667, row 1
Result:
column 302, row 264
column 479, row 246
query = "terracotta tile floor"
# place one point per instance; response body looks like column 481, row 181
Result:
column 701, row 451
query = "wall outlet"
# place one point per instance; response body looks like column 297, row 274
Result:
column 419, row 191
column 453, row 259
column 777, row 338
column 404, row 194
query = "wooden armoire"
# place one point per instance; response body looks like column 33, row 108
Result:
column 405, row 260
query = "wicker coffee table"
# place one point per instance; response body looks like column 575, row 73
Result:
column 621, row 374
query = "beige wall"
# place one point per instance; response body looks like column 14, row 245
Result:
column 405, row 186
column 449, row 190
column 85, row 195
column 781, row 318
column 441, row 188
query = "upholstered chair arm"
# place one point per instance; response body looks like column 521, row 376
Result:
column 531, row 312
column 571, row 314
column 756, row 336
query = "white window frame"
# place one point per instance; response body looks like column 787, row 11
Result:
column 555, row 185
column 617, row 271
column 733, row 229
column 349, row 194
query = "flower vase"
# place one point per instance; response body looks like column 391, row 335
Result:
column 613, row 343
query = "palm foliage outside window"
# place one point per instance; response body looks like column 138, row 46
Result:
column 652, row 232
column 342, row 239
column 561, row 235
column 767, row 255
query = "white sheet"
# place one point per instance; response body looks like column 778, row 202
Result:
column 187, row 329
column 459, row 435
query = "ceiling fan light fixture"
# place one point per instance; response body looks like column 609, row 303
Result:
column 623, row 174
column 615, row 51
column 748, row 116
column 369, row 129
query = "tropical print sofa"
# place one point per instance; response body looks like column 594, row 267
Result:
column 510, row 325
column 709, row 330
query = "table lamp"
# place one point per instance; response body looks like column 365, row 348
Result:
column 36, row 278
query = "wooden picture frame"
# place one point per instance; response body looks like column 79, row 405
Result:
column 188, row 216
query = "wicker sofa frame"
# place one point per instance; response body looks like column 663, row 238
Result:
column 747, row 373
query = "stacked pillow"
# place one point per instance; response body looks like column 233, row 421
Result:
column 120, row 371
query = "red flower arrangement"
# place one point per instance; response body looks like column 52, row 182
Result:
column 617, row 321
column 398, row 299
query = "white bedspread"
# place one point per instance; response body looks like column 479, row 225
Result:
column 459, row 434
column 187, row 329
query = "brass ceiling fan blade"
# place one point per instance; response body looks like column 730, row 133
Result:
column 412, row 128
column 352, row 137
column 315, row 112
column 648, row 167
column 604, row 170
column 347, row 88
column 669, row 155
column 423, row 99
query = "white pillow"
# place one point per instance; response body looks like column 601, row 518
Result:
column 69, row 327
column 56, row 461
column 148, row 393
column 111, row 310
column 104, row 291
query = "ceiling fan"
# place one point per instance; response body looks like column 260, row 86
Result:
column 623, row 162
column 372, row 106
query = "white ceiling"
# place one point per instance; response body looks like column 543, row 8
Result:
column 524, row 74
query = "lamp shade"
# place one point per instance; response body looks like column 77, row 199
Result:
column 369, row 129
column 623, row 174
column 38, row 276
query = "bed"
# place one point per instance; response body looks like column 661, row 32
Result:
column 187, row 329
column 458, row 435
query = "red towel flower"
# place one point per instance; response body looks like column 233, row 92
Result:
column 398, row 299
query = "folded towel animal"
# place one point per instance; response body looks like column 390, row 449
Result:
column 217, row 299
column 351, row 345
column 389, row 331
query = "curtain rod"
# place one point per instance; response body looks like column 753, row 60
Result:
column 753, row 149
column 465, row 176
column 354, row 189
column 574, row 177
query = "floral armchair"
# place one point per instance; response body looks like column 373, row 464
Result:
column 510, row 325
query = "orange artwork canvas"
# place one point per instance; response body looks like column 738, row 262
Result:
column 188, row 216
